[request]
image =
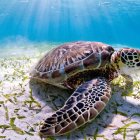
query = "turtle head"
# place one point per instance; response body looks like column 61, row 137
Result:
column 129, row 61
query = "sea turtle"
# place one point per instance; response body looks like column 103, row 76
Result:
column 87, row 68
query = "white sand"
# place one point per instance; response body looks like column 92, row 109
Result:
column 22, row 110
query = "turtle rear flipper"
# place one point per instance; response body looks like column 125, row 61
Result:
column 83, row 105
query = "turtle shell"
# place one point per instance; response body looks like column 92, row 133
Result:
column 71, row 58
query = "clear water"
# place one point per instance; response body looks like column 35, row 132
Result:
column 26, row 22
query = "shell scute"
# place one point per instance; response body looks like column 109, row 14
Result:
column 74, row 67
column 71, row 58
column 92, row 61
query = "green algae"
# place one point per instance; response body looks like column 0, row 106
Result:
column 16, row 74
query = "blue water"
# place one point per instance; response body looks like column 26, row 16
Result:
column 109, row 21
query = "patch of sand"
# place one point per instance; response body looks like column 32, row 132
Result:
column 24, row 105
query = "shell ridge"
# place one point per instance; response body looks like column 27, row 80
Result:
column 67, row 65
column 69, row 59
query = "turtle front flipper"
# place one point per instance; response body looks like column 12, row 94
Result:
column 83, row 105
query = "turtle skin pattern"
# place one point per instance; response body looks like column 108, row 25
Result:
column 88, row 100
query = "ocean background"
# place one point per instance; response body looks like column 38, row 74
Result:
column 28, row 29
column 38, row 24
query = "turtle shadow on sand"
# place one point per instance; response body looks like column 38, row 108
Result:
column 49, row 95
column 55, row 98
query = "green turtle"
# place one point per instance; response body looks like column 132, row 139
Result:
column 87, row 68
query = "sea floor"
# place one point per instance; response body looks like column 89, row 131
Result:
column 24, row 104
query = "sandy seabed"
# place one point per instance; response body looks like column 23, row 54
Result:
column 24, row 104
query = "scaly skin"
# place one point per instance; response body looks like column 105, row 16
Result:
column 83, row 105
column 109, row 72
